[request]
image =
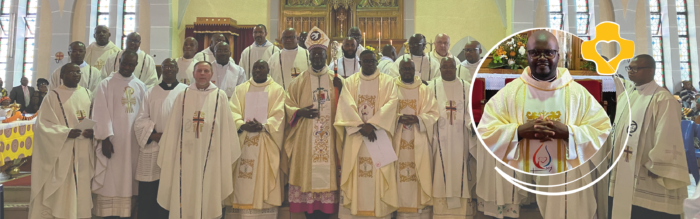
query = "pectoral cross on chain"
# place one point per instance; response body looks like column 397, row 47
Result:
column 451, row 109
column 627, row 152
column 128, row 100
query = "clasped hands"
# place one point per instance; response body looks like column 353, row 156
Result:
column 408, row 119
column 543, row 130
column 74, row 133
column 252, row 126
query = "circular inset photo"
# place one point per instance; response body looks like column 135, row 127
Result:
column 538, row 106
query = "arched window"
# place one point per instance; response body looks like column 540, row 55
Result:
column 129, row 21
column 657, row 40
column 556, row 15
column 29, row 34
column 583, row 20
column 683, row 39
column 5, row 33
column 103, row 12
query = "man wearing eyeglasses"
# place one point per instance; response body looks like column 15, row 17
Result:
column 472, row 54
column 650, row 179
column 546, row 123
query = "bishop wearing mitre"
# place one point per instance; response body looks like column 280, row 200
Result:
column 311, row 109
column 258, row 112
column 367, row 109
column 547, row 123
column 197, row 150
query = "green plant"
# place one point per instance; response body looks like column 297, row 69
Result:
column 510, row 54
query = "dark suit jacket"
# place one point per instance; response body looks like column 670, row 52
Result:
column 17, row 95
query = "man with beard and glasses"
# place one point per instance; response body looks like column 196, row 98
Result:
column 355, row 33
column 260, row 49
column 350, row 63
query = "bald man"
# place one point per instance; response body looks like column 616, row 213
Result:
column 185, row 64
column 260, row 49
column 289, row 63
column 387, row 60
column 99, row 51
column 145, row 70
column 208, row 54
column 472, row 53
column 356, row 34
column 442, row 48
column 89, row 75
column 427, row 67
column 548, row 116
column 650, row 179
column 350, row 63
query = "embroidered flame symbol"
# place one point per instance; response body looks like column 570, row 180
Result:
column 539, row 160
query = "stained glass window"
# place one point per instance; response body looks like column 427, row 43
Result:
column 583, row 21
column 556, row 17
column 5, row 33
column 683, row 39
column 129, row 21
column 29, row 34
column 657, row 44
column 103, row 12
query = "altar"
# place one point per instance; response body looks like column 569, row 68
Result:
column 16, row 140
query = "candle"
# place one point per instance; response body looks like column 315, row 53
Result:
column 380, row 40
column 364, row 38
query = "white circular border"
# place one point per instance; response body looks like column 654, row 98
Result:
column 520, row 184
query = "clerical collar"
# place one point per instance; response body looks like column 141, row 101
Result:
column 170, row 86
column 646, row 87
column 549, row 80
column 258, row 45
column 193, row 86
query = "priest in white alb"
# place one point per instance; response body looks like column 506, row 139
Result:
column 145, row 70
column 287, row 64
column 388, row 58
column 349, row 63
column 148, row 128
column 472, row 55
column 260, row 49
column 258, row 112
column 356, row 34
column 227, row 75
column 650, row 179
column 197, row 150
column 62, row 166
column 427, row 67
column 185, row 64
column 453, row 150
column 311, row 108
column 117, row 102
column 366, row 109
column 442, row 48
column 417, row 114
column 208, row 53
column 546, row 123
column 98, row 52
column 90, row 76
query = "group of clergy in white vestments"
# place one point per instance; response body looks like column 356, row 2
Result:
column 213, row 139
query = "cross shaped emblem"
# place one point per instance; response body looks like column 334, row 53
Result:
column 627, row 152
column 451, row 108
column 295, row 72
column 673, row 152
column 80, row 114
column 128, row 100
column 198, row 122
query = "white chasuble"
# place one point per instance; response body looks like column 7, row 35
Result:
column 90, row 77
column 96, row 55
column 411, row 143
column 427, row 68
column 286, row 65
column 257, row 184
column 145, row 70
column 313, row 138
column 227, row 77
column 472, row 67
column 496, row 197
column 366, row 190
column 253, row 53
column 60, row 185
column 560, row 100
column 185, row 70
column 117, row 103
column 153, row 116
column 196, row 155
column 659, row 151
column 455, row 170
column 384, row 64
column 346, row 67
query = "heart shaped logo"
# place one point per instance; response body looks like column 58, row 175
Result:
column 607, row 32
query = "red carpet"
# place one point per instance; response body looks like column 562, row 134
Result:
column 21, row 181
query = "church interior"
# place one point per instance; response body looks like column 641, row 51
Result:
column 35, row 37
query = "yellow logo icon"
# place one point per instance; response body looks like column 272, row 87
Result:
column 607, row 32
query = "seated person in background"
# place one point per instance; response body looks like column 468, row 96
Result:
column 687, row 94
column 37, row 97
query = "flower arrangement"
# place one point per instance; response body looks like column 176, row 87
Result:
column 511, row 54
column 370, row 48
